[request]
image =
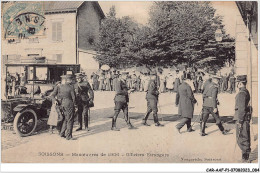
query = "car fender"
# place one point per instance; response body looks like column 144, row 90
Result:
column 22, row 107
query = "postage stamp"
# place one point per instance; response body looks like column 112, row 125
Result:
column 23, row 20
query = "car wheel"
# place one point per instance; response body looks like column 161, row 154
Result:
column 25, row 122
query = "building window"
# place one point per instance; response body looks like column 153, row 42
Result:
column 56, row 31
column 57, row 57
column 41, row 73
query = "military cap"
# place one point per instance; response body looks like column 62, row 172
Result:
column 242, row 78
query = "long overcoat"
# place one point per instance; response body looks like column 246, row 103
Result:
column 185, row 99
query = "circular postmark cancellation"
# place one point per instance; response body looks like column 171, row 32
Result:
column 23, row 20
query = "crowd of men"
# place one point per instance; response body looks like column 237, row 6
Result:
column 166, row 82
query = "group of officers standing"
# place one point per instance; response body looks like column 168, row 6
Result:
column 80, row 97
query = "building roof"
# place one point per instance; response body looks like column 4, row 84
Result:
column 67, row 6
column 61, row 6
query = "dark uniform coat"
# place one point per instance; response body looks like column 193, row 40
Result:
column 121, row 101
column 242, row 115
column 66, row 97
column 210, row 95
column 152, row 100
column 206, row 83
column 121, row 91
column 152, row 92
column 185, row 99
column 84, row 92
column 241, row 106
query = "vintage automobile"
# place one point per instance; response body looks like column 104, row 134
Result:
column 23, row 111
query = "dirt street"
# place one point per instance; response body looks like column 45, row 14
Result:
column 144, row 144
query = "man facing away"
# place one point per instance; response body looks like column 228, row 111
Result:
column 185, row 99
column 121, row 101
column 210, row 102
column 152, row 94
column 66, row 98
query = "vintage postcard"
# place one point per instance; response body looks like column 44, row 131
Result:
column 129, row 82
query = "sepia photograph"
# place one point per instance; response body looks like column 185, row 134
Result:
column 129, row 82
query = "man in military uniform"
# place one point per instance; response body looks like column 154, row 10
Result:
column 114, row 79
column 232, row 81
column 8, row 84
column 210, row 102
column 242, row 117
column 152, row 100
column 121, row 101
column 84, row 95
column 67, row 99
column 186, row 100
column 208, row 80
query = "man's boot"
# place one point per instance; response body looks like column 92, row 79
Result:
column 114, row 125
column 145, row 119
column 80, row 126
column 202, row 129
column 145, row 123
column 221, row 128
column 159, row 124
column 130, row 126
column 190, row 130
column 245, row 158
column 156, row 120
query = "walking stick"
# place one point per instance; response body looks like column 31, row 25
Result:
column 196, row 119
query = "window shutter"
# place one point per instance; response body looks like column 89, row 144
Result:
column 54, row 31
column 59, row 31
column 59, row 58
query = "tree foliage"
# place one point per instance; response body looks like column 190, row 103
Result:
column 178, row 32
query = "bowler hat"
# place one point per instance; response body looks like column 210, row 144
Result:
column 242, row 78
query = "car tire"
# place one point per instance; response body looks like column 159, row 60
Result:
column 25, row 122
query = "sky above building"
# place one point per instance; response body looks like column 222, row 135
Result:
column 139, row 11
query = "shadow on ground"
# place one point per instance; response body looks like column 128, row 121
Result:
column 105, row 115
